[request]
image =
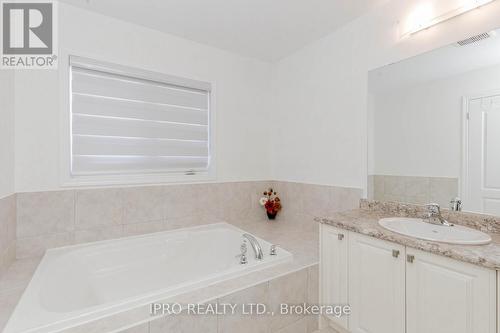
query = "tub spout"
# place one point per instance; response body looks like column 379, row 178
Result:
column 257, row 249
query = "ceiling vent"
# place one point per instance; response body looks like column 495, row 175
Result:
column 475, row 39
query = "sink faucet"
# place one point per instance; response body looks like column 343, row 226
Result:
column 456, row 204
column 257, row 249
column 434, row 215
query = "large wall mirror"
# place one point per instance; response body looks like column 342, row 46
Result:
column 434, row 127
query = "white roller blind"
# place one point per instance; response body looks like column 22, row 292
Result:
column 127, row 121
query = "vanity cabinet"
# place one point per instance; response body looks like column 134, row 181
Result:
column 448, row 296
column 334, row 274
column 394, row 289
column 376, row 285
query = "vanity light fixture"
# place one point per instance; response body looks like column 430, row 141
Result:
column 425, row 15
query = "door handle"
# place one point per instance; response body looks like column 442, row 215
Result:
column 341, row 237
column 395, row 253
column 410, row 258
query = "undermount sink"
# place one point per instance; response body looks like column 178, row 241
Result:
column 421, row 229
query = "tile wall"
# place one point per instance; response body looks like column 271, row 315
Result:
column 52, row 219
column 7, row 232
column 30, row 223
column 295, row 288
column 416, row 190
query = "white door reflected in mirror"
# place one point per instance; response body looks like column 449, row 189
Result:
column 482, row 176
column 422, row 147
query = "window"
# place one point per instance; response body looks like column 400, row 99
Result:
column 130, row 122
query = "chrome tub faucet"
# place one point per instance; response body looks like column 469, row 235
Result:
column 257, row 249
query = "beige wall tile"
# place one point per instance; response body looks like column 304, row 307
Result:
column 442, row 190
column 257, row 189
column 97, row 208
column 292, row 197
column 180, row 201
column 299, row 326
column 243, row 323
column 7, row 258
column 45, row 213
column 344, row 198
column 313, row 285
column 188, row 221
column 289, row 289
column 36, row 246
column 394, row 186
column 19, row 274
column 415, row 190
column 312, row 324
column 418, row 187
column 371, row 186
column 317, row 200
column 378, row 184
column 207, row 200
column 7, row 222
column 143, row 228
column 69, row 217
column 8, row 301
column 98, row 234
column 143, row 204
column 184, row 323
column 235, row 200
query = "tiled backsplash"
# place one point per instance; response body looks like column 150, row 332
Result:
column 416, row 190
column 52, row 219
column 7, row 232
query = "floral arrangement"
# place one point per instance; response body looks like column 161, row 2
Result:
column 271, row 202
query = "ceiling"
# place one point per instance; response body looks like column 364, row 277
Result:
column 441, row 63
column 263, row 29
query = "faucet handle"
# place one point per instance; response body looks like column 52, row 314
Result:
column 243, row 254
column 456, row 204
column 273, row 250
column 433, row 208
column 243, row 247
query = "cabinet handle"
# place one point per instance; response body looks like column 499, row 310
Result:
column 341, row 236
column 410, row 258
column 395, row 253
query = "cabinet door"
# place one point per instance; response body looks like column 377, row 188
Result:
column 334, row 247
column 376, row 285
column 448, row 296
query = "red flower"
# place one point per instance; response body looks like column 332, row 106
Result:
column 273, row 203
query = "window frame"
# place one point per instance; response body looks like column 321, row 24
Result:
column 67, row 179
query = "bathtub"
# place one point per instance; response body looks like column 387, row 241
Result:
column 78, row 284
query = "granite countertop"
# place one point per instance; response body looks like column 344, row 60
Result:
column 365, row 221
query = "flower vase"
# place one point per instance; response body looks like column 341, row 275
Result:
column 272, row 216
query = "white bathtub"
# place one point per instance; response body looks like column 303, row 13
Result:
column 81, row 283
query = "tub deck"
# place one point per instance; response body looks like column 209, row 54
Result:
column 298, row 236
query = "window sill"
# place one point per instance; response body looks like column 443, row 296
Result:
column 124, row 180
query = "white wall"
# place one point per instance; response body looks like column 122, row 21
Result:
column 320, row 131
column 6, row 132
column 241, row 84
column 418, row 129
column 315, row 129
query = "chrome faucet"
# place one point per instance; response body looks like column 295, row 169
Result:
column 257, row 249
column 456, row 204
column 434, row 215
column 243, row 254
